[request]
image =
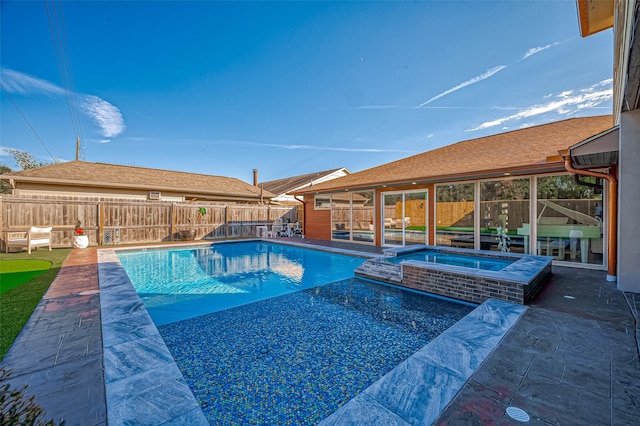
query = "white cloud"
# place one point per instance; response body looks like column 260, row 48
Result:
column 329, row 148
column 565, row 103
column 23, row 84
column 377, row 107
column 292, row 146
column 483, row 76
column 489, row 73
column 106, row 115
column 535, row 50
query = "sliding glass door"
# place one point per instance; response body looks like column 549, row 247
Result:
column 352, row 216
column 404, row 218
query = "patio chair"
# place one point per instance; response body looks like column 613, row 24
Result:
column 276, row 228
column 35, row 237
column 296, row 230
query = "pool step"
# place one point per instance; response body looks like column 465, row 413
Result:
column 376, row 269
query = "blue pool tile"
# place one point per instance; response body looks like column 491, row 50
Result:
column 297, row 358
column 420, row 387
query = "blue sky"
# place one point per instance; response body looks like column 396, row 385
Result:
column 288, row 88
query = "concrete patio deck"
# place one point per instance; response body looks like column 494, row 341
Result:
column 571, row 358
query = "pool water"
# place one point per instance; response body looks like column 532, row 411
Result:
column 266, row 333
column 467, row 261
column 294, row 359
column 176, row 284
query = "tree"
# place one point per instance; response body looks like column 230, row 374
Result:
column 564, row 187
column 505, row 189
column 4, row 187
column 26, row 160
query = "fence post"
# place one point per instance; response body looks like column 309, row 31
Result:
column 172, row 221
column 226, row 221
column 99, row 237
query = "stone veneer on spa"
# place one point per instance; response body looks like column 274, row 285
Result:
column 516, row 283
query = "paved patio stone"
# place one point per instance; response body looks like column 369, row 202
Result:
column 567, row 361
column 58, row 353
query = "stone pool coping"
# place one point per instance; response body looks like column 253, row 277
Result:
column 145, row 386
column 420, row 387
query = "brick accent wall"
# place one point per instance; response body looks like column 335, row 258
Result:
column 471, row 288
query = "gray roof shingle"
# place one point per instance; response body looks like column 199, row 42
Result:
column 282, row 186
column 522, row 149
column 112, row 175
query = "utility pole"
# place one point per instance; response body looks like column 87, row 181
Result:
column 77, row 148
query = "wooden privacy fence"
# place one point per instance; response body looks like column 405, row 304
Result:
column 516, row 212
column 108, row 222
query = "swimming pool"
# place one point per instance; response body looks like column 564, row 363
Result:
column 467, row 261
column 296, row 358
column 359, row 326
column 180, row 283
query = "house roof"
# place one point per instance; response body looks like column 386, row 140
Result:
column 285, row 185
column 82, row 173
column 515, row 152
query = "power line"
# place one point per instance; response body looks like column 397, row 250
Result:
column 6, row 92
column 60, row 45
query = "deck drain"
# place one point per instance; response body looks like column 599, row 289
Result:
column 517, row 414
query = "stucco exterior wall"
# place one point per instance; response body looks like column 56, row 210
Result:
column 26, row 189
column 629, row 203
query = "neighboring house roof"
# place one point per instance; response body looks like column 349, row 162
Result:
column 101, row 175
column 283, row 186
column 518, row 152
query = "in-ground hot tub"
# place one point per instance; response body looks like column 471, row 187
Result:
column 470, row 275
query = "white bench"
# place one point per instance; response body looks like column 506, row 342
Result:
column 35, row 237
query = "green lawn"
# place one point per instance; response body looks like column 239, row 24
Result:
column 19, row 299
column 19, row 271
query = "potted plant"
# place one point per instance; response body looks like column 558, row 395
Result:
column 79, row 239
column 190, row 234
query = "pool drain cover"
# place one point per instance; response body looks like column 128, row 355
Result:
column 517, row 414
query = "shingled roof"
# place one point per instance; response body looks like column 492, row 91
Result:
column 285, row 185
column 102, row 175
column 519, row 151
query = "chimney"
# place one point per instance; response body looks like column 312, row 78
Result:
column 255, row 177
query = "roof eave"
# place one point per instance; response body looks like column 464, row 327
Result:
column 595, row 16
column 47, row 181
column 548, row 167
column 597, row 151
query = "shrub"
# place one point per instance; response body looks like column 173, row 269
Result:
column 16, row 408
